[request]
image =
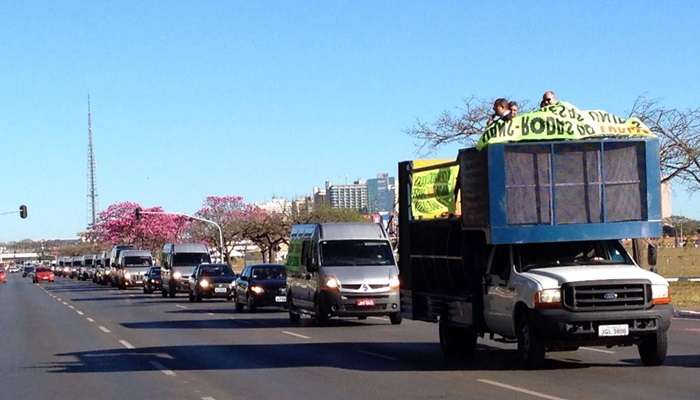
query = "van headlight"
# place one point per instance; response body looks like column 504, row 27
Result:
column 394, row 282
column 177, row 275
column 204, row 283
column 332, row 282
column 257, row 289
column 660, row 294
column 127, row 275
column 548, row 298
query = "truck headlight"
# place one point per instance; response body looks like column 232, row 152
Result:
column 394, row 282
column 204, row 283
column 548, row 298
column 660, row 294
column 177, row 275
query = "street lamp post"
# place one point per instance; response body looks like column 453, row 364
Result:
column 221, row 233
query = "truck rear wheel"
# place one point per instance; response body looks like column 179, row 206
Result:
column 652, row 350
column 456, row 342
column 531, row 348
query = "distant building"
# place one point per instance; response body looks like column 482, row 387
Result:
column 320, row 199
column 353, row 196
column 276, row 205
column 381, row 193
column 666, row 204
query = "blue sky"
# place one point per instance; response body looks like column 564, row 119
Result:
column 273, row 98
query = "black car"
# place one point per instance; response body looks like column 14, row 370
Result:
column 211, row 280
column 261, row 285
column 151, row 280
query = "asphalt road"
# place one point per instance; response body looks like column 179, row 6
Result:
column 77, row 340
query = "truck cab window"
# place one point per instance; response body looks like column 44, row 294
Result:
column 501, row 263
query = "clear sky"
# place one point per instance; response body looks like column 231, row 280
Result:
column 192, row 98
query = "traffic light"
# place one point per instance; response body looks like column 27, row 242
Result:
column 137, row 213
column 23, row 211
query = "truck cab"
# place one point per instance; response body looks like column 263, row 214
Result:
column 343, row 270
column 524, row 241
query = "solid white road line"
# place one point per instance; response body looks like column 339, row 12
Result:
column 162, row 368
column 296, row 335
column 519, row 389
column 103, row 329
column 127, row 344
column 373, row 354
column 379, row 318
column 80, row 312
column 597, row 350
column 180, row 306
column 89, row 319
column 208, row 398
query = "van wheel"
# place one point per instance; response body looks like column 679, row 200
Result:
column 652, row 350
column 171, row 293
column 294, row 315
column 456, row 342
column 531, row 348
column 251, row 305
column 239, row 306
column 395, row 318
column 191, row 297
column 164, row 293
column 320, row 313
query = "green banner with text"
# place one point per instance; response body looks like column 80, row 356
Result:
column 561, row 121
column 433, row 190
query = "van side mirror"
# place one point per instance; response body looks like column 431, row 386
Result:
column 652, row 255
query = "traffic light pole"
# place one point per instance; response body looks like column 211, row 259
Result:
column 221, row 233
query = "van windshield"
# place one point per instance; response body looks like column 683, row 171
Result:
column 547, row 255
column 138, row 261
column 341, row 253
column 190, row 259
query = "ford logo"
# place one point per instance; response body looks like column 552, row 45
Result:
column 610, row 296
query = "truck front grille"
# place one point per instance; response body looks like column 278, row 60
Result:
column 607, row 296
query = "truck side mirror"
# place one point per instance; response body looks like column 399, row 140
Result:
column 651, row 255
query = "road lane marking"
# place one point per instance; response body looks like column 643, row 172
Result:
column 208, row 398
column 597, row 350
column 373, row 354
column 211, row 314
column 180, row 306
column 80, row 312
column 127, row 344
column 71, row 307
column 162, row 368
column 89, row 319
column 692, row 329
column 295, row 335
column 103, row 329
column 520, row 390
column 379, row 318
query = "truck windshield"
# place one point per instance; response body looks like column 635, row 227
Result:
column 137, row 261
column 190, row 259
column 341, row 253
column 546, row 255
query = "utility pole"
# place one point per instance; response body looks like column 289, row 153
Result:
column 91, row 179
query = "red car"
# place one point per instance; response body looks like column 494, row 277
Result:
column 43, row 275
column 3, row 276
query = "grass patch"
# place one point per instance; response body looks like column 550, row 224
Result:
column 686, row 295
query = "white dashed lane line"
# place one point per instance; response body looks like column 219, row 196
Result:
column 180, row 306
column 519, row 389
column 597, row 350
column 80, row 312
column 296, row 335
column 103, row 329
column 208, row 398
column 89, row 319
column 127, row 344
column 378, row 355
column 162, row 368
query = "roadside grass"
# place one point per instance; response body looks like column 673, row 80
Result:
column 685, row 295
column 679, row 262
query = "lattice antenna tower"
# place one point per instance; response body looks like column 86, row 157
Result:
column 91, row 178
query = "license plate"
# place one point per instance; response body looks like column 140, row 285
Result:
column 614, row 330
column 280, row 299
column 139, row 282
column 220, row 290
column 365, row 302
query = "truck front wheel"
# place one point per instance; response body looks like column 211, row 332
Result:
column 456, row 342
column 531, row 347
column 652, row 350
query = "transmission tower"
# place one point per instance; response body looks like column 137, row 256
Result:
column 91, row 179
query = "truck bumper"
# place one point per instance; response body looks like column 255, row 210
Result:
column 568, row 328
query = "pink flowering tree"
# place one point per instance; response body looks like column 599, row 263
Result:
column 118, row 224
column 228, row 212
column 267, row 229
